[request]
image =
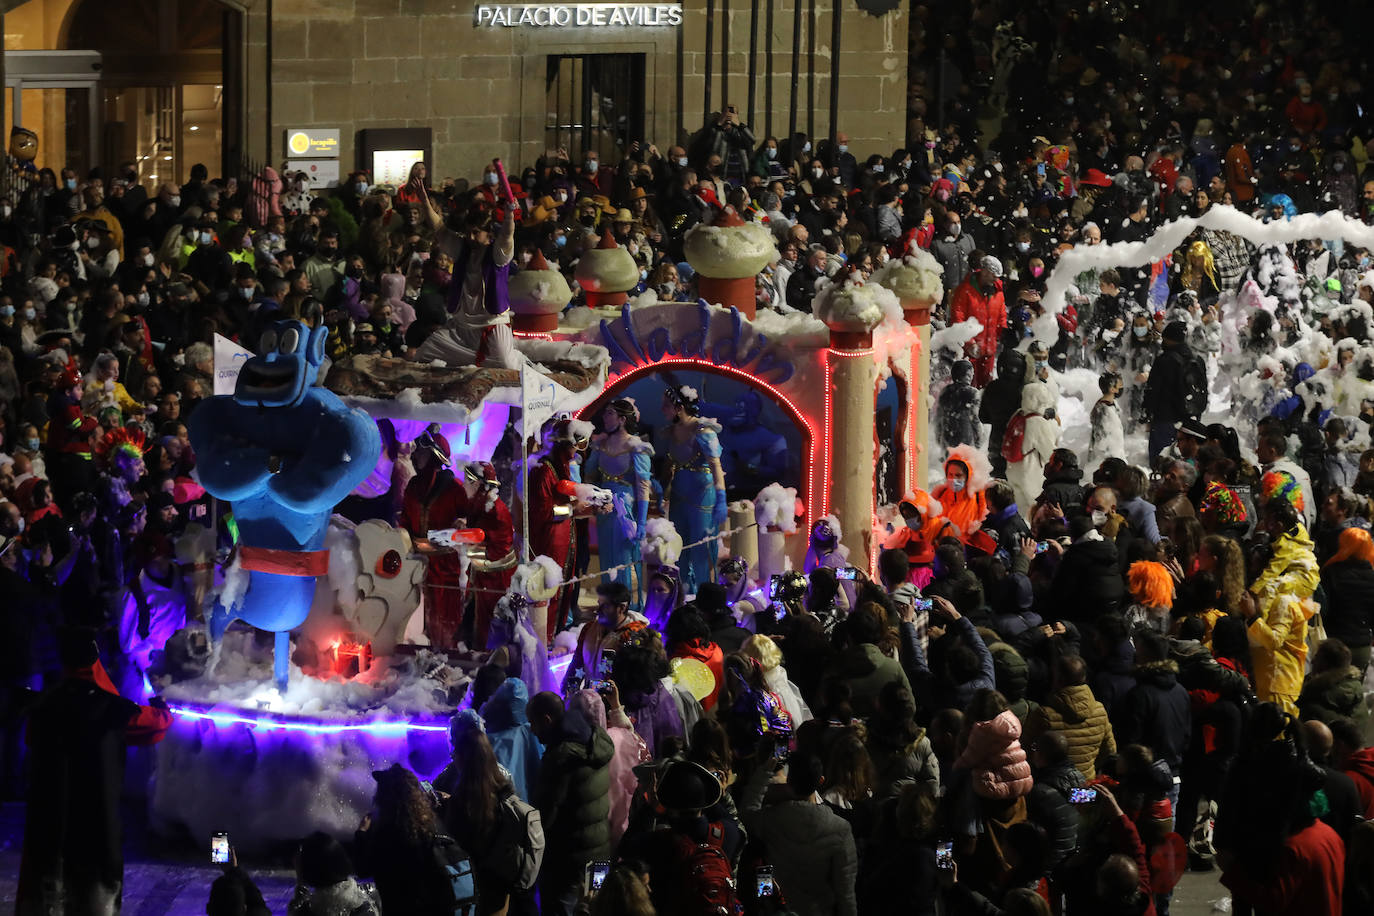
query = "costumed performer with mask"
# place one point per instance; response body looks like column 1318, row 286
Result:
column 696, row 486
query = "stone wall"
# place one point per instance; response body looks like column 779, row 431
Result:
column 358, row 64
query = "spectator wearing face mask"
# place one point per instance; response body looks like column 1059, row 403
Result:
column 980, row 297
column 953, row 250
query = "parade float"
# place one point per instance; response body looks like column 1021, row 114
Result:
column 818, row 418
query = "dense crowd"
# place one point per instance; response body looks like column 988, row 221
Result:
column 1078, row 670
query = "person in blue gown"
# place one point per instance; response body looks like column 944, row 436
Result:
column 618, row 461
column 696, row 483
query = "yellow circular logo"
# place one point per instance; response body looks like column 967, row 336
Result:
column 299, row 142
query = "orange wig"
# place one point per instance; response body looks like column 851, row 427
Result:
column 1356, row 543
column 1151, row 584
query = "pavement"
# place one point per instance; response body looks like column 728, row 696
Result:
column 162, row 880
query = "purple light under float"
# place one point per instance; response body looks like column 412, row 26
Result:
column 275, row 721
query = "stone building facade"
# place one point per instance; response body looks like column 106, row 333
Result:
column 489, row 90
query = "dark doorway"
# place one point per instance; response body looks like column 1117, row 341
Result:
column 594, row 102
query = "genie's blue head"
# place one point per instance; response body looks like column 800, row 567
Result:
column 289, row 358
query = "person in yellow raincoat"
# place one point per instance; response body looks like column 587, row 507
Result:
column 1283, row 595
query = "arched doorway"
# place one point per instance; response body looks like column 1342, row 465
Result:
column 765, row 437
column 154, row 82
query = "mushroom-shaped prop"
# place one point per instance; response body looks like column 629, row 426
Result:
column 538, row 294
column 727, row 255
column 607, row 273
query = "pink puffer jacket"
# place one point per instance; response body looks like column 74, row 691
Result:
column 994, row 754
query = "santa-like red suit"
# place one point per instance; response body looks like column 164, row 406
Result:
column 433, row 501
column 489, row 576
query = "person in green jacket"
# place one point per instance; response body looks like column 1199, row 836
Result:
column 573, row 797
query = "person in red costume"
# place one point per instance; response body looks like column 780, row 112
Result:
column 551, row 505
column 77, row 734
column 490, row 574
column 434, row 501
column 980, row 296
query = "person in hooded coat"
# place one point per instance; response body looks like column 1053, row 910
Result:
column 1283, row 593
column 630, row 751
column 573, row 797
column 956, row 412
column 1001, row 399
column 960, row 495
column 512, row 739
column 1027, row 474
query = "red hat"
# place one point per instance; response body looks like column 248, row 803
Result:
column 435, row 441
column 71, row 375
column 1095, row 178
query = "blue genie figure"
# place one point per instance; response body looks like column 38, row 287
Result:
column 283, row 452
column 696, row 488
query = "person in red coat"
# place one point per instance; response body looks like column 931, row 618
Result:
column 1307, row 877
column 551, row 504
column 433, row 500
column 980, row 297
column 490, row 575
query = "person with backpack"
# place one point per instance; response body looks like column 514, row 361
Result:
column 401, row 845
column 1176, row 389
column 482, row 812
column 689, row 841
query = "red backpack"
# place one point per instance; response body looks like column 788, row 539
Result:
column 707, row 883
column 1013, row 440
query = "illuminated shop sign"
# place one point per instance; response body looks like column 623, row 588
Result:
column 573, row 15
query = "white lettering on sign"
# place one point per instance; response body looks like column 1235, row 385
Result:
column 564, row 15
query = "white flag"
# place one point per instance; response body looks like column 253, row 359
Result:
column 229, row 356
column 538, row 396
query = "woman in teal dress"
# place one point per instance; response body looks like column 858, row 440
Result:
column 618, row 461
column 696, row 483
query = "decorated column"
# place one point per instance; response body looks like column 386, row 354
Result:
column 538, row 295
column 916, row 281
column 607, row 273
column 727, row 255
column 851, row 310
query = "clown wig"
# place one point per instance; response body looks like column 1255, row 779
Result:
column 1150, row 584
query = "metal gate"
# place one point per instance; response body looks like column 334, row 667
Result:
column 595, row 102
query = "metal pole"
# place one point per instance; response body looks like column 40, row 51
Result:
column 796, row 76
column 524, row 473
column 768, row 74
column 710, row 45
column 724, row 52
column 753, row 58
column 836, row 17
column 811, row 72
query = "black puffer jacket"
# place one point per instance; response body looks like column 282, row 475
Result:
column 1048, row 805
column 1088, row 582
column 1064, row 490
column 1349, row 609
column 1156, row 713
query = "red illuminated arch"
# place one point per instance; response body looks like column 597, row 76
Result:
column 812, row 439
